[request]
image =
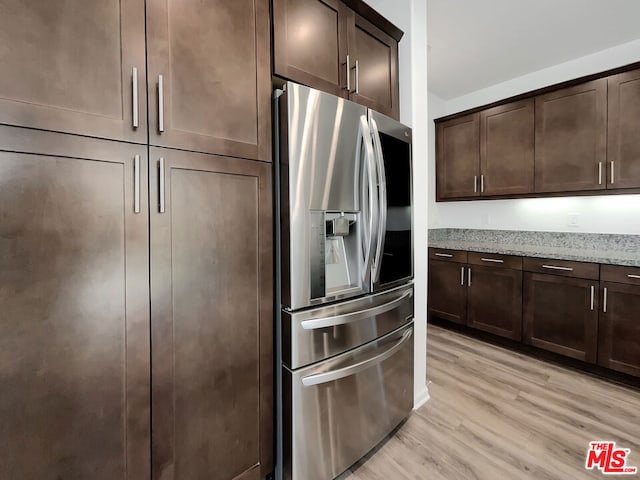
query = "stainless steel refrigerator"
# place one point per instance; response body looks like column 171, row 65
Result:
column 345, row 270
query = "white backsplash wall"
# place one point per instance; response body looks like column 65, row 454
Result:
column 594, row 214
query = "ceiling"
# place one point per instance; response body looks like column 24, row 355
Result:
column 474, row 44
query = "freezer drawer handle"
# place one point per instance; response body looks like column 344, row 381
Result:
column 327, row 322
column 334, row 375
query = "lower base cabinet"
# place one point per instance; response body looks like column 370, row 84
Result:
column 447, row 287
column 619, row 328
column 494, row 302
column 136, row 328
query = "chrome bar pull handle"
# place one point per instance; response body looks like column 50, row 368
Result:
column 160, row 103
column 469, row 277
column 475, row 184
column 635, row 277
column 161, row 189
column 613, row 172
column 445, row 255
column 553, row 267
column 604, row 305
column 136, row 184
column 462, row 276
column 357, row 92
column 481, row 183
column 492, row 260
column 599, row 173
column 593, row 294
column 348, row 64
column 134, row 96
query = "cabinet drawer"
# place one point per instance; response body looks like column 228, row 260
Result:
column 563, row 268
column 458, row 256
column 613, row 273
column 495, row 260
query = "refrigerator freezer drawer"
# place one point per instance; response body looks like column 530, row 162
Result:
column 338, row 410
column 315, row 335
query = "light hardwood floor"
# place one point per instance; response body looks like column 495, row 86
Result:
column 495, row 414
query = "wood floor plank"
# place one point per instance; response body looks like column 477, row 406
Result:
column 496, row 414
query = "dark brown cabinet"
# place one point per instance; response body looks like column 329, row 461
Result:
column 619, row 328
column 209, row 78
column 623, row 149
column 560, row 310
column 507, row 149
column 494, row 299
column 310, row 43
column 326, row 45
column 458, row 158
column 571, row 138
column 74, row 329
column 211, row 311
column 375, row 82
column 447, row 291
column 74, row 67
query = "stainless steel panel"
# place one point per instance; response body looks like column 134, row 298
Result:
column 320, row 148
column 348, row 405
column 314, row 335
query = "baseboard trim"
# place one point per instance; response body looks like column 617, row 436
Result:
column 421, row 398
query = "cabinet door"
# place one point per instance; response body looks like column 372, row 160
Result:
column 211, row 317
column 447, row 293
column 571, row 138
column 68, row 67
column 310, row 43
column 495, row 301
column 74, row 328
column 623, row 150
column 210, row 76
column 506, row 149
column 458, row 157
column 561, row 315
column 619, row 332
column 375, row 82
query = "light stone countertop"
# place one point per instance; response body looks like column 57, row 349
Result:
column 581, row 247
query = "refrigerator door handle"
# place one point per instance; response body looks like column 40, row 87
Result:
column 334, row 375
column 365, row 139
column 382, row 208
column 328, row 322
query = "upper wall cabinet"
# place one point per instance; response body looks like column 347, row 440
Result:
column 506, row 149
column 458, row 159
column 623, row 150
column 310, row 43
column 571, row 138
column 209, row 76
column 375, row 83
column 74, row 67
column 326, row 45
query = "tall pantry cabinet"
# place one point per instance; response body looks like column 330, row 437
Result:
column 135, row 281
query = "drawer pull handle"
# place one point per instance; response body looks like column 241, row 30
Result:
column 445, row 255
column 554, row 267
column 635, row 277
column 492, row 260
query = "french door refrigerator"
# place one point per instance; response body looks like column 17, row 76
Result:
column 345, row 323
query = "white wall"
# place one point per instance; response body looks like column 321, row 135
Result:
column 598, row 214
column 411, row 17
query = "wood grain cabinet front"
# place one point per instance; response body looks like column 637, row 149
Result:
column 211, row 317
column 74, row 328
column 494, row 299
column 623, row 148
column 75, row 67
column 571, row 138
column 619, row 328
column 447, row 280
column 326, row 45
column 209, row 78
column 561, row 315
